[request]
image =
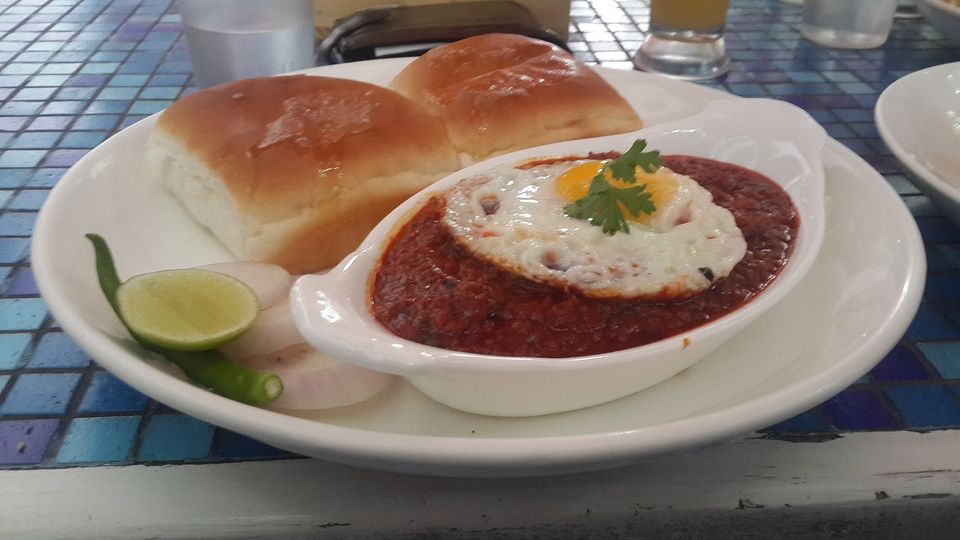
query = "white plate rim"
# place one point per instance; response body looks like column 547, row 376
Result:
column 468, row 456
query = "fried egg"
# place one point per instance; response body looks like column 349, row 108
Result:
column 513, row 217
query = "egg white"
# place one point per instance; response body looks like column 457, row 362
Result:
column 515, row 219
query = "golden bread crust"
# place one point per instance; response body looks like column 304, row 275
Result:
column 309, row 164
column 503, row 92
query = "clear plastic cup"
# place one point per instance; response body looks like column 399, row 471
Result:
column 238, row 39
column 848, row 24
column 685, row 39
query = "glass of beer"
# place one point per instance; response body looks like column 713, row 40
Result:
column 685, row 39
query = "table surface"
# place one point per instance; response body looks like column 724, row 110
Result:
column 74, row 72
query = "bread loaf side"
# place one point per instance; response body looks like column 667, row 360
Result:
column 296, row 170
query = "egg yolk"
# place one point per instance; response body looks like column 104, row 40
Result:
column 575, row 183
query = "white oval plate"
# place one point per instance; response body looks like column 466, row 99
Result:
column 918, row 117
column 852, row 307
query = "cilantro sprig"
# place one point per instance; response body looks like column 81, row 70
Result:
column 601, row 205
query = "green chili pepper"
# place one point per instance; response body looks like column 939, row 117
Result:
column 211, row 368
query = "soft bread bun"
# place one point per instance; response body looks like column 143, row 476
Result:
column 503, row 92
column 296, row 170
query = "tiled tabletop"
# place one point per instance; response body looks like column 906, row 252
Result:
column 75, row 72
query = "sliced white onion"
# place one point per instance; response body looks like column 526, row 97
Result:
column 271, row 283
column 273, row 330
column 313, row 380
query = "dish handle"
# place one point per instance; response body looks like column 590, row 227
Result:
column 330, row 311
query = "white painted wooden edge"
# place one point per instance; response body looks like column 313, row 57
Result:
column 865, row 476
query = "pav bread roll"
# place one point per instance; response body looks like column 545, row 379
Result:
column 503, row 92
column 296, row 170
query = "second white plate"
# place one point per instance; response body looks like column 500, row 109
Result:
column 917, row 119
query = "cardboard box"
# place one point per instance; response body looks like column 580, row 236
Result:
column 551, row 14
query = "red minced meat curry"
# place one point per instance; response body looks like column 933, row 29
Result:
column 430, row 290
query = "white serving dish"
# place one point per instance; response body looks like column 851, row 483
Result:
column 772, row 137
column 944, row 16
column 853, row 306
column 918, row 117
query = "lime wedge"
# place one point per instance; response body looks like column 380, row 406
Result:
column 187, row 309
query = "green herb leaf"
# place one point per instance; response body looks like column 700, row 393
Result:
column 601, row 205
column 624, row 167
column 634, row 199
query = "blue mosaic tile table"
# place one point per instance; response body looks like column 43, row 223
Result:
column 74, row 72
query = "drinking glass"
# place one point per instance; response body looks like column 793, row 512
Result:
column 685, row 39
column 238, row 39
column 848, row 24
